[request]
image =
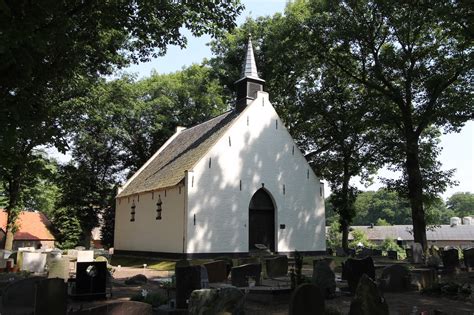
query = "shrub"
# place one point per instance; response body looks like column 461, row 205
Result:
column 334, row 235
column 391, row 244
column 358, row 236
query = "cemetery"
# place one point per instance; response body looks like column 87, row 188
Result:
column 366, row 281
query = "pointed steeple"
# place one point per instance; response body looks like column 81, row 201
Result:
column 249, row 83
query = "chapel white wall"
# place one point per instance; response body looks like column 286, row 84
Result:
column 260, row 152
column 146, row 233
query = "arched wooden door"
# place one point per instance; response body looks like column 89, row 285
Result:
column 261, row 220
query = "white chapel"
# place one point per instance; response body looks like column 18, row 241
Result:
column 224, row 186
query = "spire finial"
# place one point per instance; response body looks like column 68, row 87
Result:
column 249, row 68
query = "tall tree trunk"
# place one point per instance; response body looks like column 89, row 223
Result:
column 14, row 185
column 415, row 190
column 345, row 235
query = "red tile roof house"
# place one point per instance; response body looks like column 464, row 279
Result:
column 34, row 230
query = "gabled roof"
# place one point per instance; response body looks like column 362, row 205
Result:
column 167, row 168
column 33, row 225
column 440, row 233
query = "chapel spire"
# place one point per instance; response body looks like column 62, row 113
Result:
column 249, row 83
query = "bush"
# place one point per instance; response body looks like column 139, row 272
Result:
column 334, row 235
column 358, row 236
column 391, row 244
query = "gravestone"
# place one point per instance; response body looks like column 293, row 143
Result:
column 72, row 253
column 216, row 271
column 229, row 262
column 51, row 297
column 182, row 263
column 188, row 279
column 80, row 248
column 351, row 252
column 376, row 252
column 468, row 254
column 59, row 269
column 240, row 275
column 307, row 299
column 329, row 251
column 409, row 253
column 277, row 267
column 229, row 300
column 91, row 280
column 395, row 278
column 353, row 269
column 85, row 256
column 417, row 253
column 368, row 299
column 324, row 277
column 204, row 278
column 20, row 296
column 340, row 252
column 392, row 254
column 34, row 262
column 450, row 258
column 364, row 252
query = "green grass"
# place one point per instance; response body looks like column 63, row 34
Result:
column 156, row 264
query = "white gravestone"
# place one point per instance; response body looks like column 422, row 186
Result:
column 85, row 256
column 59, row 268
column 33, row 262
column 417, row 253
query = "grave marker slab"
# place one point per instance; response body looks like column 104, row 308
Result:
column 216, row 271
column 324, row 277
column 468, row 254
column 34, row 262
column 450, row 258
column 85, row 256
column 188, row 279
column 392, row 254
column 353, row 269
column 417, row 253
column 277, row 267
column 306, row 300
column 395, row 278
column 59, row 269
column 240, row 275
column 368, row 299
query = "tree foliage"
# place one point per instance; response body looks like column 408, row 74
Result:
column 461, row 204
column 52, row 51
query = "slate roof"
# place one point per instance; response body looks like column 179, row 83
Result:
column 168, row 168
column 33, row 225
column 441, row 233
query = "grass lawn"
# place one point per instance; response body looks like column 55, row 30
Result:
column 156, row 264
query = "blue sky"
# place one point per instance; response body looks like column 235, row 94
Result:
column 458, row 149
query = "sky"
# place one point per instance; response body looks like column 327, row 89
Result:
column 458, row 149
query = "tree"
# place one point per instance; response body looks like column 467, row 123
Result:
column 461, row 203
column 325, row 110
column 51, row 51
column 415, row 57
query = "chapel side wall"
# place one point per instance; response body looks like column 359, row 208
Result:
column 254, row 151
column 147, row 233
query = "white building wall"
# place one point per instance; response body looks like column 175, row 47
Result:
column 256, row 149
column 146, row 233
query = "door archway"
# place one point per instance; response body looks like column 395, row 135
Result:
column 261, row 220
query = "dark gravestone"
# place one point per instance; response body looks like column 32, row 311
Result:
column 450, row 258
column 240, row 274
column 409, row 253
column 277, row 267
column 395, row 278
column 468, row 254
column 329, row 251
column 376, row 252
column 19, row 296
column 351, row 252
column 228, row 300
column 91, row 280
column 364, row 252
column 216, row 271
column 392, row 254
column 307, row 299
column 229, row 261
column 188, row 279
column 368, row 299
column 324, row 277
column 417, row 254
column 340, row 252
column 51, row 297
column 182, row 263
column 353, row 269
